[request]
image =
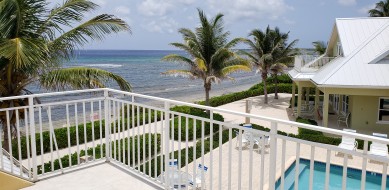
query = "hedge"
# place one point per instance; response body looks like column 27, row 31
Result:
column 62, row 137
column 207, row 148
column 256, row 90
column 98, row 154
column 195, row 112
column 281, row 79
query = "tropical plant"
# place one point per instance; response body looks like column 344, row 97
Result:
column 320, row 47
column 210, row 56
column 381, row 9
column 275, row 69
column 35, row 41
column 269, row 50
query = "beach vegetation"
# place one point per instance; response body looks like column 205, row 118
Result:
column 36, row 38
column 320, row 47
column 269, row 48
column 210, row 57
column 381, row 9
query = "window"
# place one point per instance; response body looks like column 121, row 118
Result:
column 335, row 103
column 345, row 104
column 383, row 110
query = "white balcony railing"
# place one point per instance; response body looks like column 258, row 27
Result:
column 135, row 132
column 311, row 63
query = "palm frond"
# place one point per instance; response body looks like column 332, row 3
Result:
column 234, row 68
column 79, row 78
column 179, row 59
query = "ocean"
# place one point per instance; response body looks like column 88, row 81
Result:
column 143, row 68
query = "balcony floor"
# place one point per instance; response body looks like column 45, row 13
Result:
column 103, row 176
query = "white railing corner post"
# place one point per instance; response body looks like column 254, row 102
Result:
column 33, row 143
column 107, row 125
column 166, row 140
column 273, row 155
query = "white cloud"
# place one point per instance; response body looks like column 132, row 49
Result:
column 100, row 2
column 347, row 2
column 162, row 25
column 364, row 10
column 155, row 7
column 123, row 10
column 249, row 9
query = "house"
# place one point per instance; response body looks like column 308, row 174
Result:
column 351, row 77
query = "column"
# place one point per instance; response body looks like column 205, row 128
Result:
column 317, row 100
column 300, row 95
column 293, row 95
column 325, row 109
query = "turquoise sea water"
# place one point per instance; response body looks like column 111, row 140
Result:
column 373, row 180
column 143, row 68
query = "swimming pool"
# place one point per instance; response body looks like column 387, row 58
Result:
column 373, row 180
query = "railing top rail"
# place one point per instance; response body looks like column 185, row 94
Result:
column 52, row 94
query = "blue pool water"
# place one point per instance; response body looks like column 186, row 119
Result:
column 373, row 180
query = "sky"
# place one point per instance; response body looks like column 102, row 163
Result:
column 154, row 23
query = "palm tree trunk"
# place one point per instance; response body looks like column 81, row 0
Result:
column 264, row 77
column 275, row 87
column 207, row 87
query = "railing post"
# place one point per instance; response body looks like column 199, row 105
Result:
column 273, row 155
column 33, row 143
column 107, row 125
column 166, row 141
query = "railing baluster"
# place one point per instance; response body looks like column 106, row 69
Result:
column 220, row 155
column 1, row 153
column 251, row 161
column 240, row 136
column 297, row 166
column 344, row 177
column 202, row 155
column 51, row 131
column 166, row 139
column 364, row 164
column 229, row 157
column 328, row 164
column 19, row 142
column 101, row 130
column 67, row 132
column 114, row 133
column 162, row 140
column 107, row 125
column 133, row 132
column 77, row 135
column 283, row 164
column 186, row 143
column 384, row 174
column 211, row 150
column 138, row 134
column 149, row 137
column 92, row 120
column 194, row 147
column 128, row 136
column 33, row 142
column 27, row 140
column 262, row 167
column 85, row 136
column 179, row 148
column 311, row 167
column 155, row 144
column 9, row 138
column 118, row 132
column 144, row 139
column 172, row 135
column 123, row 139
column 273, row 155
column 51, row 138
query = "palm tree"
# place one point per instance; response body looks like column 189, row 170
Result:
column 381, row 9
column 35, row 41
column 268, row 48
column 210, row 56
column 320, row 47
column 276, row 69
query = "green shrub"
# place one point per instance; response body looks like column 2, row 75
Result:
column 195, row 112
column 98, row 154
column 61, row 134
